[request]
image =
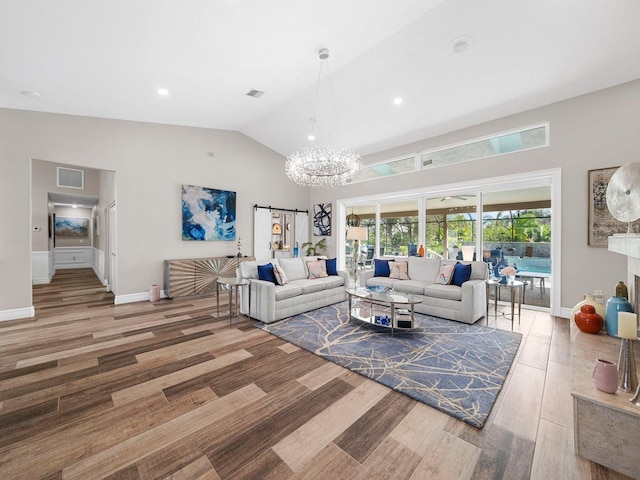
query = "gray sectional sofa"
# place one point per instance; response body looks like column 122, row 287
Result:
column 465, row 303
column 271, row 302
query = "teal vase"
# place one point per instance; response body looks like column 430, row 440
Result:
column 615, row 305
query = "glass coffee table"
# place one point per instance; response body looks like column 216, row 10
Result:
column 382, row 307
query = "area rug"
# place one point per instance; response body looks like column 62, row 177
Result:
column 451, row 366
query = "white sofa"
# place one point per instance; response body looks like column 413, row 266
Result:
column 465, row 303
column 271, row 302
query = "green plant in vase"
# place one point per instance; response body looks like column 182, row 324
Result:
column 315, row 249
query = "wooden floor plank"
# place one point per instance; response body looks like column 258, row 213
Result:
column 125, row 453
column 312, row 437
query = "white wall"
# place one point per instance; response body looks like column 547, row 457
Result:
column 588, row 132
column 150, row 162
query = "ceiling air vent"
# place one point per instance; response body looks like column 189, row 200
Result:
column 255, row 93
column 70, row 178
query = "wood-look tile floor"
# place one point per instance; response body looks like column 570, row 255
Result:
column 93, row 390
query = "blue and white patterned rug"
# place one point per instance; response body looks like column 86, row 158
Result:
column 451, row 366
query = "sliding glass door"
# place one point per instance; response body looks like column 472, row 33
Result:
column 516, row 231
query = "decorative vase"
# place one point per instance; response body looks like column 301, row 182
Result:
column 589, row 300
column 154, row 293
column 615, row 305
column 588, row 320
column 421, row 251
column 621, row 290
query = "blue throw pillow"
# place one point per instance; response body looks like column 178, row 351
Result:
column 265, row 272
column 332, row 267
column 381, row 268
column 461, row 274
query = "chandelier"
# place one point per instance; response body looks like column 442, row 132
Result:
column 322, row 166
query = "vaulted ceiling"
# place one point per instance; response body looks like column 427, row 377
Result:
column 108, row 59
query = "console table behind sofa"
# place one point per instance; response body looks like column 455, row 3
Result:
column 197, row 276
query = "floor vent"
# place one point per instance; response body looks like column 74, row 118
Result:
column 70, row 177
column 255, row 93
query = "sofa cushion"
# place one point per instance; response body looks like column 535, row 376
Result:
column 293, row 267
column 425, row 269
column 317, row 269
column 449, row 292
column 265, row 272
column 249, row 269
column 461, row 274
column 409, row 286
column 281, row 277
column 398, row 270
column 478, row 271
column 332, row 281
column 380, row 268
column 289, row 290
column 309, row 286
column 446, row 274
column 332, row 266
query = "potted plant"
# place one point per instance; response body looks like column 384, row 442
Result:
column 317, row 249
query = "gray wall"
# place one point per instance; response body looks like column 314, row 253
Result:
column 588, row 132
column 150, row 162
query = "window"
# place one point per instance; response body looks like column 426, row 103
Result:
column 386, row 169
column 477, row 149
column 498, row 144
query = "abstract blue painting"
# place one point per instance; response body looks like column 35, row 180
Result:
column 208, row 214
column 72, row 227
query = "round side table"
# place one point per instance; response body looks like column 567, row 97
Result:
column 515, row 288
column 232, row 284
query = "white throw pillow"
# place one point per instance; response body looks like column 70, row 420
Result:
column 398, row 270
column 281, row 277
column 446, row 273
column 317, row 269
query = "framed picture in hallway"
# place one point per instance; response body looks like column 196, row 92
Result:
column 71, row 227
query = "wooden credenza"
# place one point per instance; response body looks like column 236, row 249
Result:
column 605, row 425
column 197, row 276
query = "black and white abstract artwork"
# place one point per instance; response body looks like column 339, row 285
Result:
column 322, row 220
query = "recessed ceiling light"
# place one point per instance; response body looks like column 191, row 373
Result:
column 460, row 44
column 397, row 100
column 311, row 136
column 29, row 93
column 163, row 91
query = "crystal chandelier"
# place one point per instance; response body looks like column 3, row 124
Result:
column 322, row 166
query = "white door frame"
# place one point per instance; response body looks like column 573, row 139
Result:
column 111, row 252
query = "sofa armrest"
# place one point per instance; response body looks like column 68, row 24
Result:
column 474, row 297
column 363, row 276
column 263, row 300
column 346, row 277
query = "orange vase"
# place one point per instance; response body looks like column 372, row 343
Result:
column 421, row 251
column 588, row 320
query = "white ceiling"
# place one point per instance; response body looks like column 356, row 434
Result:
column 107, row 59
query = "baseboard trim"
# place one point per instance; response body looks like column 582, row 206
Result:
column 135, row 297
column 41, row 281
column 17, row 313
